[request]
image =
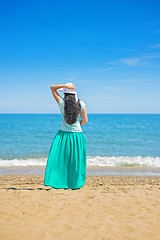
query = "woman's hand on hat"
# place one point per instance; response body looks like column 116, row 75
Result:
column 70, row 86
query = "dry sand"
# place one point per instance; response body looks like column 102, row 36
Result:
column 106, row 208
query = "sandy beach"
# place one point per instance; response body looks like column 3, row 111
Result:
column 106, row 208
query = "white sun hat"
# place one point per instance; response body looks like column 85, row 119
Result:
column 66, row 90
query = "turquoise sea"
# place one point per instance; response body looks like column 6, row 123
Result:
column 112, row 139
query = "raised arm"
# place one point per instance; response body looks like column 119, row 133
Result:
column 84, row 117
column 55, row 87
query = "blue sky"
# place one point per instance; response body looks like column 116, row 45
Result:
column 110, row 50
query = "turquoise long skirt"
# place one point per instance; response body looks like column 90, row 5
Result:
column 67, row 161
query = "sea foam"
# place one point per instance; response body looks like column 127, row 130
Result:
column 91, row 161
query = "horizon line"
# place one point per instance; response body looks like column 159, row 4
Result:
column 87, row 113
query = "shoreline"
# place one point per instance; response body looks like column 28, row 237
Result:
column 91, row 170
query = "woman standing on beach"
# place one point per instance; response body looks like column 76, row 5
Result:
column 67, row 158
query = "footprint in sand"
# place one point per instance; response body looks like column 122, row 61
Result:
column 91, row 196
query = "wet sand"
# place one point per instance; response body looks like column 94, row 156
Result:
column 106, row 208
column 91, row 170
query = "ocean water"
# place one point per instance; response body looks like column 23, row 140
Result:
column 112, row 139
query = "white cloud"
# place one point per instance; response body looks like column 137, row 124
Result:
column 137, row 61
column 155, row 46
column 130, row 61
column 134, row 61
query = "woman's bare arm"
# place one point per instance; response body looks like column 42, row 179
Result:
column 84, row 117
column 55, row 87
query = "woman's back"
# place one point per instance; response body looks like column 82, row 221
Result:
column 75, row 127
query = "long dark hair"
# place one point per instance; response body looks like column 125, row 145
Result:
column 72, row 108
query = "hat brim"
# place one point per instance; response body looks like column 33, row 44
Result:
column 60, row 89
column 66, row 90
